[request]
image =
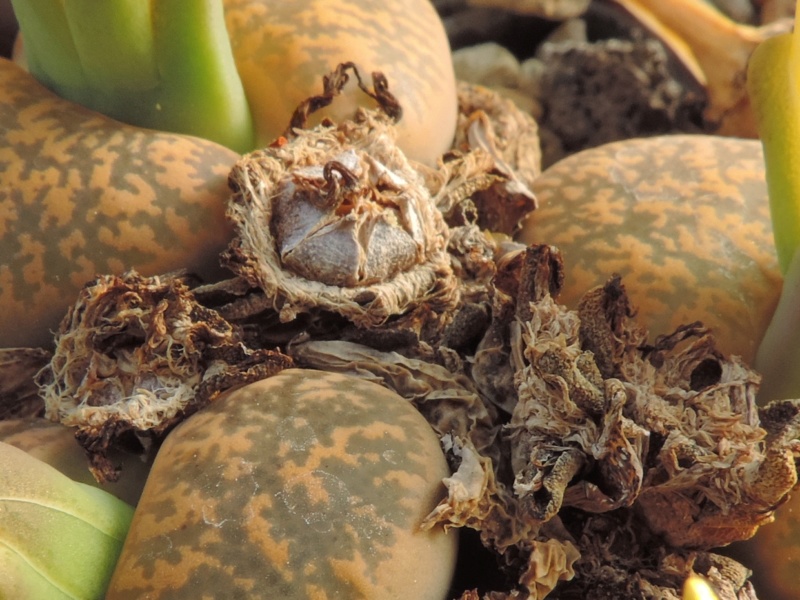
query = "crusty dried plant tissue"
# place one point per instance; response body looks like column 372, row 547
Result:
column 593, row 464
column 18, row 393
column 336, row 218
column 620, row 466
column 138, row 354
column 665, row 439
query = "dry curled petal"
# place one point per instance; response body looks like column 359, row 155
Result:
column 671, row 429
column 494, row 160
column 550, row 562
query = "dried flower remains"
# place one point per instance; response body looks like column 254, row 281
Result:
column 138, row 355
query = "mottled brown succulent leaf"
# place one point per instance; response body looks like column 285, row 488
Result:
column 633, row 199
column 305, row 484
column 467, row 425
column 448, row 400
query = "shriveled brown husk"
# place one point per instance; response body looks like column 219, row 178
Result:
column 136, row 355
column 621, row 465
column 336, row 220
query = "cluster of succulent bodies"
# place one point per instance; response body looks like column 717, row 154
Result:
column 592, row 459
column 587, row 456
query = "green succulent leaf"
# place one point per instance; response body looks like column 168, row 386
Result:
column 58, row 538
column 165, row 65
column 773, row 83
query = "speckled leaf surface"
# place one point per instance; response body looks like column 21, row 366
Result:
column 303, row 485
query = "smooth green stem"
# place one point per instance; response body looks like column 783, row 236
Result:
column 163, row 64
column 114, row 42
column 51, row 54
column 772, row 80
column 774, row 87
column 778, row 355
column 196, row 62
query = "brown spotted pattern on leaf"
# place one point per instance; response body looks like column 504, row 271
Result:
column 305, row 484
column 82, row 194
column 683, row 219
column 303, row 40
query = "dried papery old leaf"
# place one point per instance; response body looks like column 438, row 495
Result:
column 645, row 453
column 139, row 354
column 621, row 559
column 522, row 277
column 673, row 428
column 495, row 158
column 19, row 396
column 448, row 400
column 338, row 219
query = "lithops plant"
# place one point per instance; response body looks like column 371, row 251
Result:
column 303, row 485
column 82, row 194
column 55, row 445
column 282, row 48
column 684, row 220
column 234, row 70
column 59, row 539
